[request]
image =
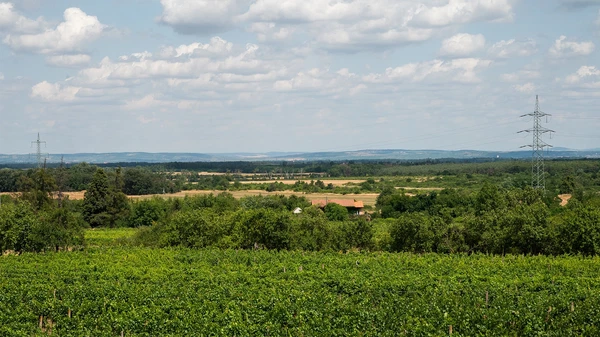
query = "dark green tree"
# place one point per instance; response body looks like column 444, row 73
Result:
column 118, row 204
column 38, row 188
column 96, row 200
column 335, row 212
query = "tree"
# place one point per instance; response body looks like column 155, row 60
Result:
column 118, row 204
column 16, row 223
column 37, row 188
column 335, row 212
column 96, row 200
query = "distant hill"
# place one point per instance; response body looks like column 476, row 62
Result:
column 394, row 154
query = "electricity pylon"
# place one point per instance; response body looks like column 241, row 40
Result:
column 39, row 153
column 537, row 168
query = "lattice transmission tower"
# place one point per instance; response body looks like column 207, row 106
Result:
column 41, row 157
column 537, row 168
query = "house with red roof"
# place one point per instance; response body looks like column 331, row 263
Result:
column 354, row 206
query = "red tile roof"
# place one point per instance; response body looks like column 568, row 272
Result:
column 343, row 202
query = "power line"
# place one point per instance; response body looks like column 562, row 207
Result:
column 537, row 167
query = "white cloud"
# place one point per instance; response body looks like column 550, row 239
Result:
column 216, row 66
column 200, row 16
column 1, row 76
column 69, row 61
column 70, row 35
column 520, row 76
column 269, row 31
column 144, row 103
column 12, row 21
column 513, row 48
column 462, row 45
column 465, row 11
column 527, row 88
column 216, row 47
column 336, row 24
column 457, row 70
column 54, row 92
column 564, row 47
column 583, row 73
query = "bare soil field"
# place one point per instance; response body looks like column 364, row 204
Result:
column 334, row 182
column 421, row 188
column 368, row 199
column 258, row 174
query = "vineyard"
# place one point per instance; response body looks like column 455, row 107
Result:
column 127, row 291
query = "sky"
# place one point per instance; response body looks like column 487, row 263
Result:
column 214, row 76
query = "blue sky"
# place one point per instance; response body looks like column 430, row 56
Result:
column 296, row 75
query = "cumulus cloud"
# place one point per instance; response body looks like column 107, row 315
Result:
column 462, row 45
column 215, row 47
column 12, row 21
column 520, row 76
column 527, row 88
column 77, row 29
column 217, row 65
column 564, row 47
column 69, row 61
column 584, row 72
column 464, row 11
column 201, row 16
column 457, row 70
column 337, row 24
column 54, row 92
column 513, row 48
column 270, row 31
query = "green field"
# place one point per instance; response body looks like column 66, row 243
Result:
column 111, row 289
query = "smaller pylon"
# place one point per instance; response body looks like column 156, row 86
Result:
column 39, row 155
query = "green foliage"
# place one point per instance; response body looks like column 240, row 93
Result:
column 179, row 292
column 147, row 212
column 104, row 204
column 141, row 181
column 335, row 212
column 194, row 229
column 59, row 228
column 416, row 232
column 96, row 201
column 17, row 222
column 9, row 180
column 262, row 228
column 37, row 188
column 579, row 231
column 24, row 230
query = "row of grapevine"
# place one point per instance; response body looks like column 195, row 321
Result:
column 175, row 292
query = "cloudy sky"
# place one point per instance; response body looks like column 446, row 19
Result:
column 296, row 75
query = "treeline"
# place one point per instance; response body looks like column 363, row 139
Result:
column 36, row 221
column 136, row 180
column 493, row 220
column 364, row 168
column 250, row 223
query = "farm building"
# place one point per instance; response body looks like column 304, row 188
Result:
column 353, row 206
